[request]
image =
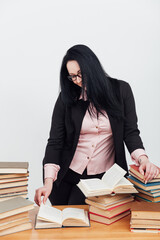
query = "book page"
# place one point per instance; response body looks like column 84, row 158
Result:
column 123, row 182
column 49, row 214
column 113, row 176
column 93, row 184
column 75, row 213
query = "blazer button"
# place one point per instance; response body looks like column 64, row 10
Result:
column 87, row 157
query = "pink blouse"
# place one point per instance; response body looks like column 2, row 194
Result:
column 95, row 148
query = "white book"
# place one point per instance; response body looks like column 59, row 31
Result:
column 51, row 217
column 113, row 181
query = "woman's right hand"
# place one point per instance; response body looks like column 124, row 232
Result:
column 43, row 191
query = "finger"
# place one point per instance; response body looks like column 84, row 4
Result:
column 46, row 196
column 39, row 194
column 157, row 172
column 147, row 172
column 148, row 177
column 152, row 176
column 35, row 198
column 141, row 170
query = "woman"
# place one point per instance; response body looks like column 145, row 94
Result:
column 93, row 117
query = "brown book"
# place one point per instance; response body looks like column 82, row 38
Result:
column 104, row 220
column 144, row 226
column 51, row 217
column 111, row 212
column 145, row 230
column 7, row 198
column 147, row 186
column 13, row 223
column 18, row 228
column 14, row 206
column 109, row 205
column 10, row 180
column 14, row 176
column 13, row 167
column 135, row 170
column 143, row 180
column 13, row 184
column 145, row 221
column 108, row 199
column 152, row 194
column 145, row 210
column 14, row 217
column 13, row 189
column 13, row 194
column 145, row 196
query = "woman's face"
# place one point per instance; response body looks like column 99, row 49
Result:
column 74, row 69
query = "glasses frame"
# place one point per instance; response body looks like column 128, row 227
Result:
column 70, row 77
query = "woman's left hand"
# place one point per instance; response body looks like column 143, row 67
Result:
column 148, row 169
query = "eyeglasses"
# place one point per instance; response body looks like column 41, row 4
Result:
column 74, row 77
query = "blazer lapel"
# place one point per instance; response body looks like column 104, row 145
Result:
column 78, row 112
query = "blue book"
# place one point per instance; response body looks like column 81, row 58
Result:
column 155, row 193
column 148, row 186
column 146, row 199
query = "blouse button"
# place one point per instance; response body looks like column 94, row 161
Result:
column 92, row 145
column 87, row 157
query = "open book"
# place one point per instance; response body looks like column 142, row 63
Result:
column 113, row 181
column 51, row 217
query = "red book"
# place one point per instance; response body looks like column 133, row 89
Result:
column 134, row 171
column 101, row 219
column 111, row 212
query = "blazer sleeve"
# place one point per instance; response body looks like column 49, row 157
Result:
column 132, row 137
column 57, row 134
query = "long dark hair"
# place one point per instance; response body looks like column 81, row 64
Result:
column 102, row 90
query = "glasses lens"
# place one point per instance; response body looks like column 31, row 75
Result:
column 80, row 75
column 74, row 77
column 69, row 77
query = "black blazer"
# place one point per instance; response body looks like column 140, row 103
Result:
column 66, row 126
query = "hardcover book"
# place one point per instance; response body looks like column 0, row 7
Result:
column 13, row 189
column 111, row 212
column 109, row 205
column 145, row 210
column 13, row 167
column 14, row 206
column 51, row 217
column 147, row 186
column 107, row 221
column 135, row 171
column 149, row 193
column 145, row 196
column 113, row 181
column 12, row 175
column 18, row 228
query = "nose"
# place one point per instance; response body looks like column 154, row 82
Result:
column 78, row 80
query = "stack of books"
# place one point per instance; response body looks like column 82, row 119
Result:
column 14, row 215
column 150, row 191
column 145, row 217
column 109, row 209
column 13, row 180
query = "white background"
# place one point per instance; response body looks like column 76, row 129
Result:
column 34, row 37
